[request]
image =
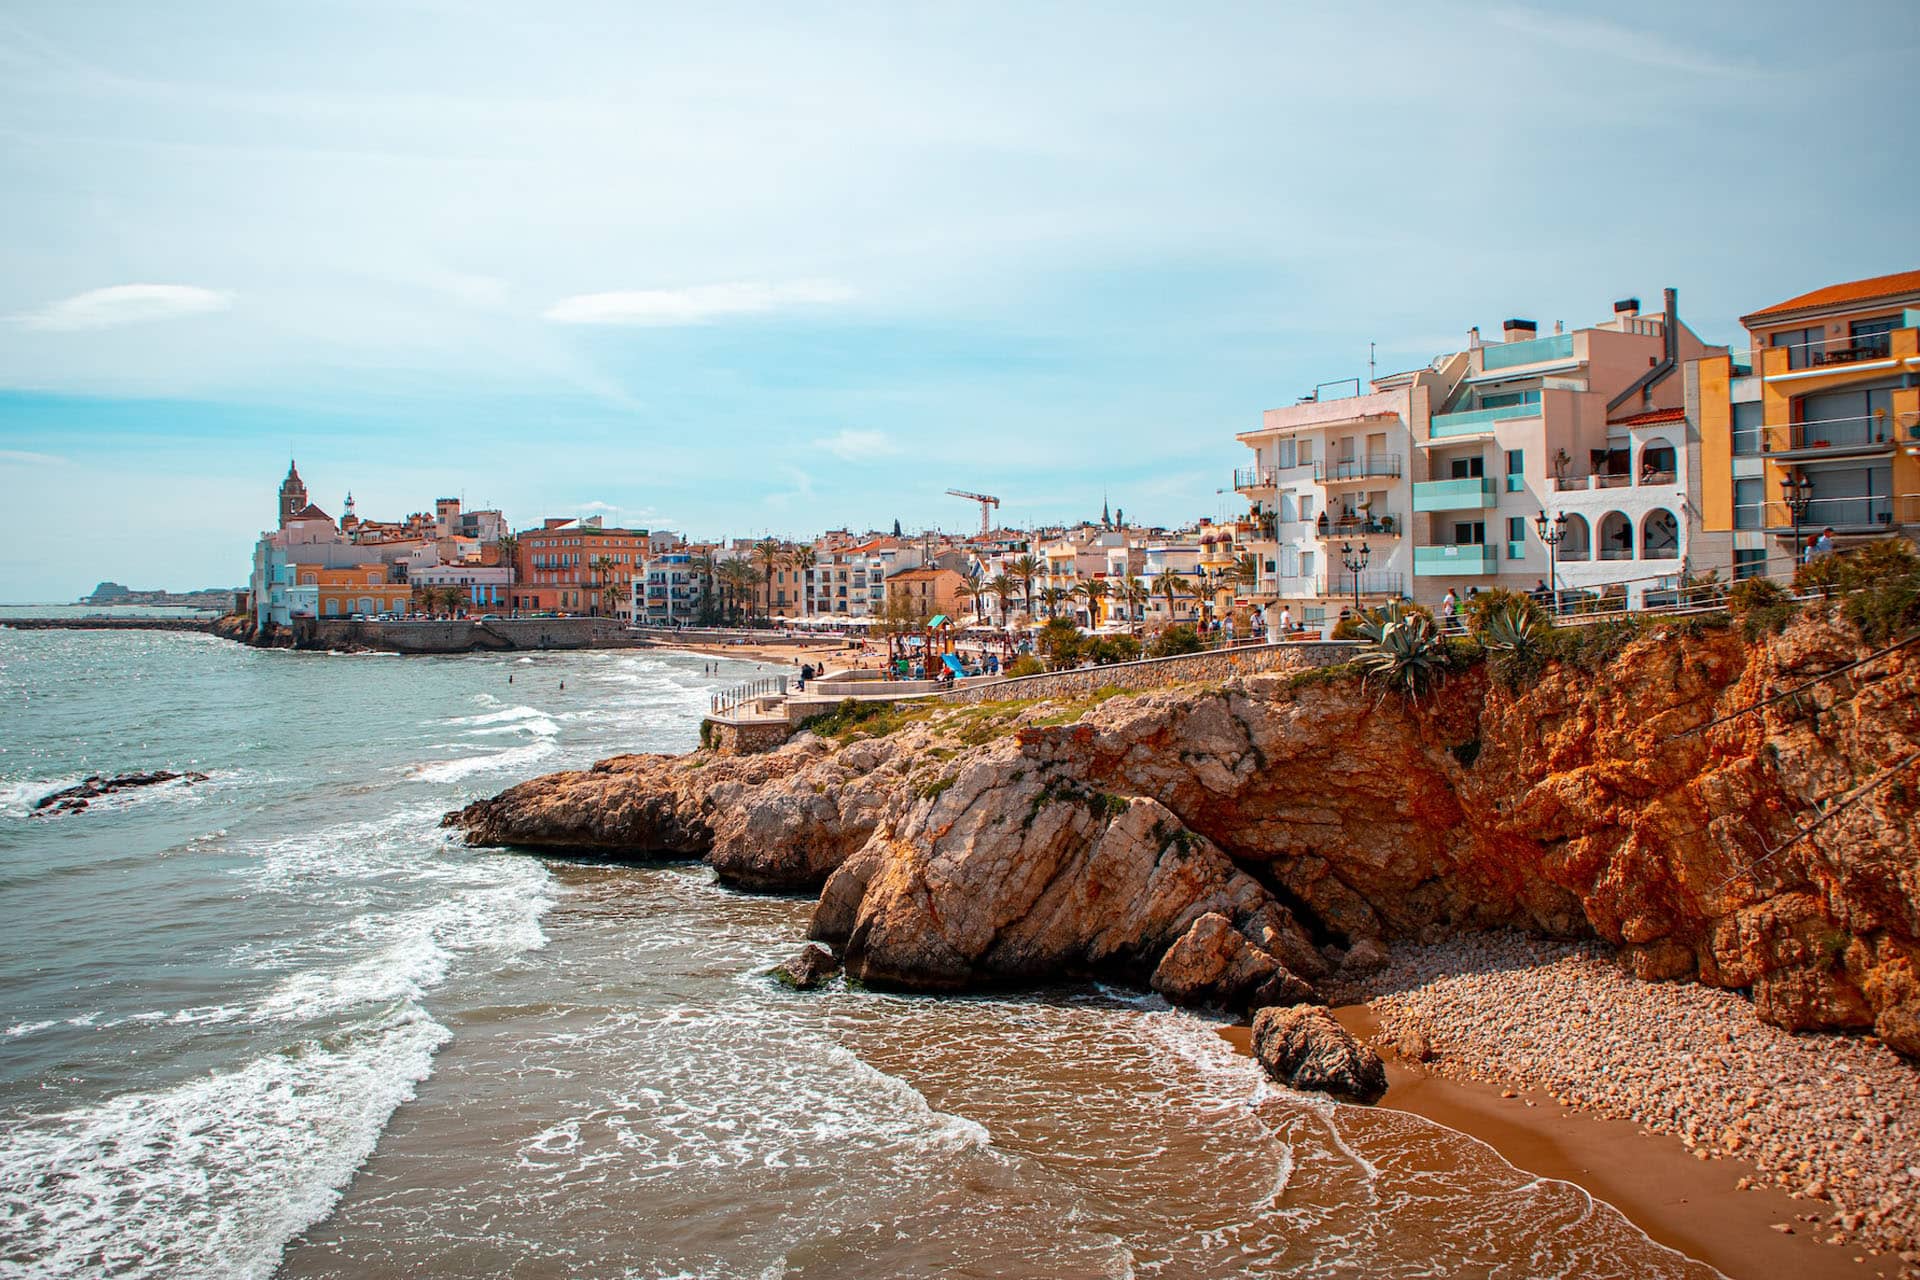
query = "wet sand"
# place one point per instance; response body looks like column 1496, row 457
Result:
column 1685, row 1203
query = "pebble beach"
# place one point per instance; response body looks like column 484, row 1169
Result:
column 1832, row 1120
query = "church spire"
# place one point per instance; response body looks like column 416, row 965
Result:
column 293, row 494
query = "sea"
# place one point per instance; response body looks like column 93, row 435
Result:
column 281, row 1023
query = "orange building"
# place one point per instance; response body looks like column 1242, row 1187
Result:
column 363, row 589
column 929, row 591
column 567, row 566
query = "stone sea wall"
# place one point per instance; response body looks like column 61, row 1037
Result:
column 1162, row 673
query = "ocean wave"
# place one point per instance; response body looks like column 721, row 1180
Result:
column 213, row 1176
column 503, row 716
column 466, row 766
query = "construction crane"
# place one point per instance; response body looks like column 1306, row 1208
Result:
column 987, row 503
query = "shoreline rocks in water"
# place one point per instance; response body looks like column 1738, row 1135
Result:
column 76, row 798
column 811, row 967
column 1305, row 1047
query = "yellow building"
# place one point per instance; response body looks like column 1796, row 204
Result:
column 1820, row 428
column 363, row 589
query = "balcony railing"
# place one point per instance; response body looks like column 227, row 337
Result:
column 1854, row 514
column 1332, row 471
column 1850, row 349
column 1471, row 493
column 1448, row 562
column 1373, row 582
column 1509, row 355
column 1341, row 525
column 1475, row 422
column 1871, row 432
column 1253, row 477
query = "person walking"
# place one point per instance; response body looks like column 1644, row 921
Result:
column 1824, row 545
column 1448, row 604
column 1286, row 619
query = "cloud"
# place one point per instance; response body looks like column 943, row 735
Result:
column 858, row 446
column 1593, row 35
column 698, row 304
column 26, row 458
column 122, row 304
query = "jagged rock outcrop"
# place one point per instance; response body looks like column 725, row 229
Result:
column 1305, row 1048
column 1637, row 802
column 1213, row 963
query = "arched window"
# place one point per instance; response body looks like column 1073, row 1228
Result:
column 1660, row 535
column 333, row 608
column 1577, row 542
column 1616, row 537
column 366, row 605
column 1657, row 463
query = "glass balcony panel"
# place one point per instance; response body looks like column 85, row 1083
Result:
column 1472, row 493
column 1472, row 422
column 1509, row 355
column 1447, row 562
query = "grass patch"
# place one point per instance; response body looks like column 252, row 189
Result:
column 855, row 718
column 936, row 788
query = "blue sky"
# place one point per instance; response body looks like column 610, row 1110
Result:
column 735, row 269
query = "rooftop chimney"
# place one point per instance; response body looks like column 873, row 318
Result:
column 1627, row 308
column 1517, row 330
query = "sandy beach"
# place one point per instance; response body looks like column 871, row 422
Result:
column 1759, row 1152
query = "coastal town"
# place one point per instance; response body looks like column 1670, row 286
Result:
column 1609, row 465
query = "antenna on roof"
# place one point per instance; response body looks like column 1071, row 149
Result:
column 1370, row 347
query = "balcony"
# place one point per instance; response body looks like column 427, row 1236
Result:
column 1342, row 525
column 1373, row 582
column 1510, row 355
column 1245, row 478
column 1454, row 562
column 1473, row 493
column 1475, row 422
column 1379, row 466
column 1877, row 513
column 1835, row 438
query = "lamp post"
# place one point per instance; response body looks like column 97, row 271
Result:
column 1797, row 492
column 1353, row 562
column 1551, row 532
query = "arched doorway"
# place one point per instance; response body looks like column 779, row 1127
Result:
column 1576, row 543
column 1658, row 462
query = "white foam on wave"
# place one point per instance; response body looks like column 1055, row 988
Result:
column 466, row 766
column 213, row 1176
column 504, row 716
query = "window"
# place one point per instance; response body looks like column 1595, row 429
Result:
column 1467, row 468
column 1749, row 562
column 1306, row 506
column 1516, row 470
column 1746, row 429
column 1305, row 453
column 1504, row 399
column 1469, row 533
column 1870, row 337
column 1284, row 453
column 1306, row 564
column 1803, row 345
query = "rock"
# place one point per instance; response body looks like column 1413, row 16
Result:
column 1413, row 1047
column 810, row 968
column 1306, row 1048
column 1364, row 956
column 1213, row 963
column 74, row 799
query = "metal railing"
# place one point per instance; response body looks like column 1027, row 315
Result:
column 1349, row 526
column 1869, row 511
column 1252, row 477
column 1843, row 350
column 1373, row 582
column 1866, row 431
column 1384, row 465
column 739, row 695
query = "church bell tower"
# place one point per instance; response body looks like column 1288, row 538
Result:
column 293, row 494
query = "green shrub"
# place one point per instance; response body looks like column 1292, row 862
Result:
column 1823, row 574
column 1402, row 650
column 1026, row 665
column 1761, row 605
column 1883, row 581
column 1062, row 643
column 1175, row 641
column 1478, row 609
column 1108, row 650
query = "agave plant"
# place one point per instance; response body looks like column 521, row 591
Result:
column 1403, row 649
column 1510, row 630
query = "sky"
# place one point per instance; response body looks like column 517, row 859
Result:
column 746, row 269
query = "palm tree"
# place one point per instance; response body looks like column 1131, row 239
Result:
column 603, row 565
column 1093, row 591
column 509, row 549
column 451, row 598
column 423, row 597
column 1246, row 569
column 1026, row 569
column 1132, row 593
column 771, row 555
column 1003, row 590
column 802, row 559
column 738, row 578
column 1051, row 597
column 1169, row 584
column 610, row 598
column 708, row 568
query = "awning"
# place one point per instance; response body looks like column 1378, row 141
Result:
column 939, row 620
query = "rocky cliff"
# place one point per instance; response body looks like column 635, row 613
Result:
column 1219, row 841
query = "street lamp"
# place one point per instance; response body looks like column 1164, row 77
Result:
column 1551, row 532
column 1797, row 492
column 1353, row 562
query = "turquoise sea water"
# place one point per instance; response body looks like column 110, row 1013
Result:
column 278, row 1022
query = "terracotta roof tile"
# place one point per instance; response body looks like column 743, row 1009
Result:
column 1853, row 291
column 1648, row 418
